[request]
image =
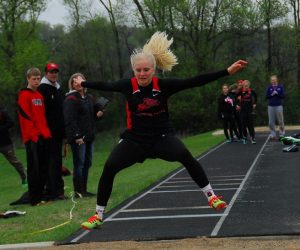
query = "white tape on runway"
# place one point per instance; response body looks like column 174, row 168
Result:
column 183, row 216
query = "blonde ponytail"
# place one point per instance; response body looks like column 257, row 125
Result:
column 158, row 46
column 157, row 51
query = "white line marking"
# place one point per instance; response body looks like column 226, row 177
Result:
column 178, row 186
column 144, row 194
column 190, row 190
column 167, row 217
column 162, row 209
column 226, row 176
column 191, row 181
column 195, row 185
column 80, row 236
column 227, row 210
column 211, row 177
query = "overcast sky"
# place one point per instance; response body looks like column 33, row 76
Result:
column 55, row 13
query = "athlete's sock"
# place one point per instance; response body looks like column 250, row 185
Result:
column 100, row 211
column 208, row 191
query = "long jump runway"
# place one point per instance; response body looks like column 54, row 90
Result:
column 260, row 183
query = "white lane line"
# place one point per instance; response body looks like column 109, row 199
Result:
column 167, row 217
column 211, row 177
column 227, row 210
column 226, row 176
column 195, row 185
column 147, row 192
column 84, row 233
column 190, row 190
column 162, row 209
column 191, row 181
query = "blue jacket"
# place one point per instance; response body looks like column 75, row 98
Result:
column 276, row 98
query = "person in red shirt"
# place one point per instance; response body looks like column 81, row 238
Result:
column 35, row 133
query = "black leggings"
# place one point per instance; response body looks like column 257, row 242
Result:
column 229, row 124
column 127, row 153
column 248, row 123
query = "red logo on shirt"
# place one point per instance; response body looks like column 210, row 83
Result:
column 147, row 104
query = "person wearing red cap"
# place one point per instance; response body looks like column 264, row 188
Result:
column 53, row 98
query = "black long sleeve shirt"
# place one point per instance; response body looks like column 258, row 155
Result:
column 147, row 108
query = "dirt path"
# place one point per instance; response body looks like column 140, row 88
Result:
column 253, row 243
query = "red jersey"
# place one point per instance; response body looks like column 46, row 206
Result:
column 32, row 115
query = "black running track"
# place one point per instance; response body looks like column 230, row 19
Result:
column 261, row 184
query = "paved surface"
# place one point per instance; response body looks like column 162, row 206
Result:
column 260, row 182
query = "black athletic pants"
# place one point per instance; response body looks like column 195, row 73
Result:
column 37, row 169
column 55, row 182
column 247, row 119
column 127, row 153
column 229, row 124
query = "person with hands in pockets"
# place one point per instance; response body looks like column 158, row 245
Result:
column 36, row 135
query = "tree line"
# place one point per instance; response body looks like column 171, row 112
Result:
column 208, row 36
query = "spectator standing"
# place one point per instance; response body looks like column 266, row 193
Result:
column 226, row 108
column 53, row 98
column 248, row 100
column 275, row 96
column 80, row 113
column 7, row 147
column 35, row 134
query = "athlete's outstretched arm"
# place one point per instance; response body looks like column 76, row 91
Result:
column 174, row 85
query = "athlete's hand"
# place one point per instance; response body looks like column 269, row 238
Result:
column 235, row 67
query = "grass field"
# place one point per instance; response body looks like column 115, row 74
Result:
column 33, row 227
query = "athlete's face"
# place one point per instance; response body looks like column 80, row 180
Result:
column 143, row 70
column 33, row 82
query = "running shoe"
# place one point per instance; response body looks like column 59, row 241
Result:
column 253, row 141
column 217, row 203
column 92, row 222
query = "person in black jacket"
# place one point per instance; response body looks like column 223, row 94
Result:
column 233, row 92
column 6, row 144
column 149, row 132
column 53, row 99
column 80, row 114
column 226, row 108
column 247, row 103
